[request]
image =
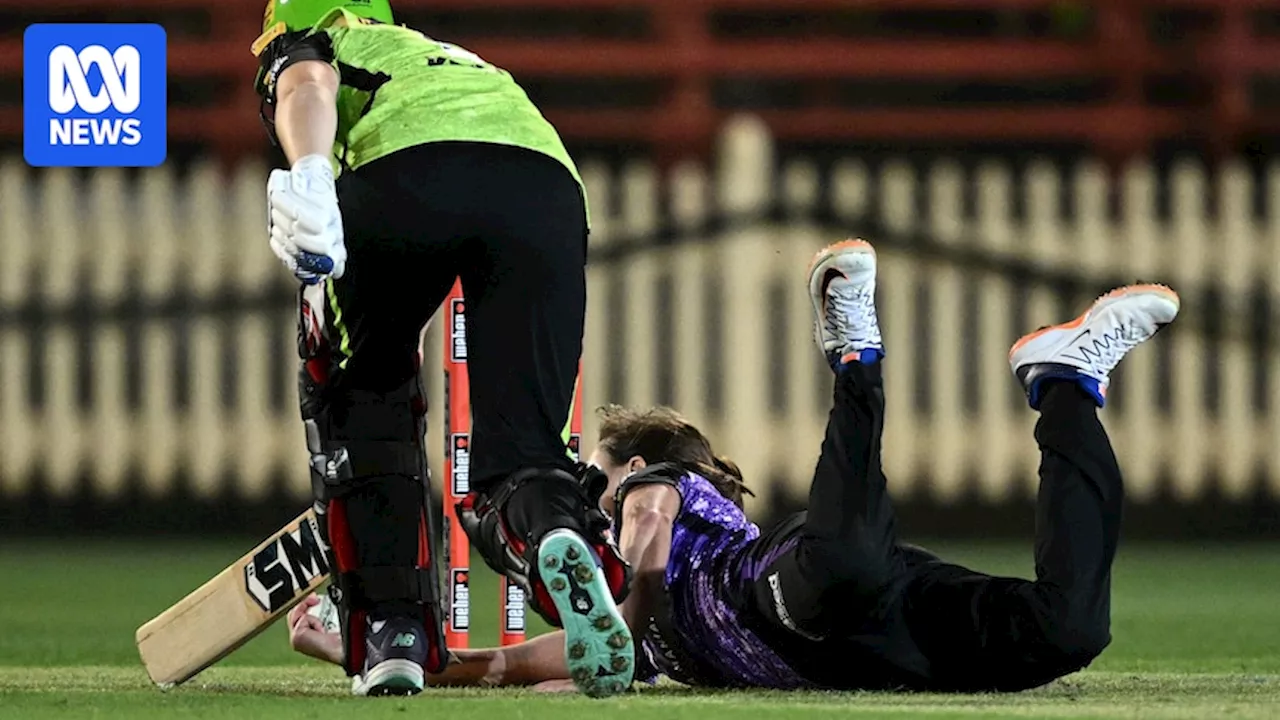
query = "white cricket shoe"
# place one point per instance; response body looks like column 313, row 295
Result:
column 842, row 286
column 1087, row 349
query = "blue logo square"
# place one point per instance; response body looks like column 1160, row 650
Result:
column 93, row 95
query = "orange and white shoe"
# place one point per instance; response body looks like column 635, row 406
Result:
column 842, row 287
column 1087, row 349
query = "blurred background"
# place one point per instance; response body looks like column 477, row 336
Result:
column 1010, row 158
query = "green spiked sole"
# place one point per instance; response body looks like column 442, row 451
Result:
column 598, row 646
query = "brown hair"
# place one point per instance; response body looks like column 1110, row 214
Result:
column 661, row 434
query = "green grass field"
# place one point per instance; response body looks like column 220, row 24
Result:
column 1196, row 636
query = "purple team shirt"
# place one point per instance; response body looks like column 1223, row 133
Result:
column 697, row 637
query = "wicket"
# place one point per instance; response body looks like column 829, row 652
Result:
column 457, row 465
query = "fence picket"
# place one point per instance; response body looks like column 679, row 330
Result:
column 799, row 420
column 1190, row 259
column 899, row 279
column 999, row 433
column 1235, row 450
column 951, row 453
column 19, row 451
column 597, row 351
column 114, row 429
column 210, row 258
column 690, row 193
column 744, row 188
column 61, row 429
column 639, row 218
column 1271, row 268
column 160, row 246
column 736, row 356
column 259, row 447
column 1137, row 256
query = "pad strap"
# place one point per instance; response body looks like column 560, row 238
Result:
column 368, row 586
column 374, row 457
column 357, row 461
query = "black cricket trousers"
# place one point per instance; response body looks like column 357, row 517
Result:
column 511, row 223
column 866, row 611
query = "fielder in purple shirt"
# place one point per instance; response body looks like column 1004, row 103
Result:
column 830, row 598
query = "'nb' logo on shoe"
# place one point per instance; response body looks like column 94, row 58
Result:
column 94, row 95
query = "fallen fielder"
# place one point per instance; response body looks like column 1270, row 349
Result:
column 831, row 598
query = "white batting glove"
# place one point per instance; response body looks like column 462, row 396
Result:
column 303, row 220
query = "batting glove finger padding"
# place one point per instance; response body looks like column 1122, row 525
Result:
column 304, row 224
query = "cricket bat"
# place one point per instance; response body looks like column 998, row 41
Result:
column 237, row 604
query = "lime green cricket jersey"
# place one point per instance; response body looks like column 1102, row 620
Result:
column 400, row 88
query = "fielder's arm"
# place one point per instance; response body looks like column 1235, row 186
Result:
column 648, row 514
column 535, row 661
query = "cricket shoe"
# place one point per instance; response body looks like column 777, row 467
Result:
column 1087, row 349
column 395, row 653
column 842, row 286
column 598, row 646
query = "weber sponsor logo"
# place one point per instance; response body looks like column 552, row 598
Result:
column 513, row 609
column 460, row 470
column 575, row 446
column 459, row 600
column 286, row 565
column 458, row 331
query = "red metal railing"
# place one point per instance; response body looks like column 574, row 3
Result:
column 684, row 57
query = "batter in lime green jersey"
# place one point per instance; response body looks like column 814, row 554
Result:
column 413, row 164
column 393, row 77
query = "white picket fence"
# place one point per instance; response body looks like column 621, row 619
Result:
column 760, row 392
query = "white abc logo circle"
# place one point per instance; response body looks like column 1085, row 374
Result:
column 121, row 79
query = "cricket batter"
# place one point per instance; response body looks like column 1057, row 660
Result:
column 831, row 598
column 414, row 162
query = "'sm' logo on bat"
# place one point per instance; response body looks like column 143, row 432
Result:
column 279, row 571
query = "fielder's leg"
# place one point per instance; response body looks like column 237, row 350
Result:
column 990, row 633
column 848, row 538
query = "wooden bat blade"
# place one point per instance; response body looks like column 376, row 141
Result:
column 237, row 604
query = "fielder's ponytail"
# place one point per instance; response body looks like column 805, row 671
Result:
column 729, row 481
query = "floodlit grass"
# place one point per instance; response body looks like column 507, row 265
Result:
column 1194, row 627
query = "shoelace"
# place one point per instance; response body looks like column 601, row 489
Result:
column 851, row 314
column 1103, row 351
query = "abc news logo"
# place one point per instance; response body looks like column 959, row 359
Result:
column 69, row 89
column 94, row 95
column 286, row 565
